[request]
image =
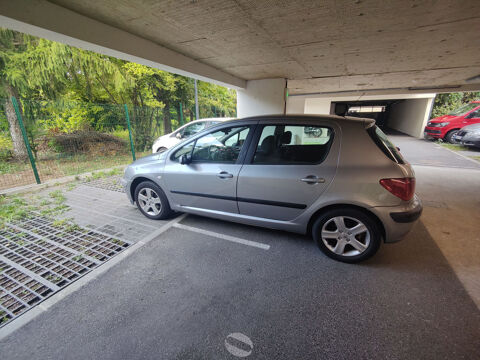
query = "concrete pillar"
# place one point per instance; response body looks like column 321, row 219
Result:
column 295, row 105
column 261, row 97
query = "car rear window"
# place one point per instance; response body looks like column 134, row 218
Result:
column 387, row 147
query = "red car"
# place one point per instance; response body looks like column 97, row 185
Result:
column 445, row 127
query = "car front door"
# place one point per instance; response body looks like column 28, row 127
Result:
column 472, row 118
column 209, row 180
column 286, row 170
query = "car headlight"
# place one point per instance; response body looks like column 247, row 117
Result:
column 442, row 124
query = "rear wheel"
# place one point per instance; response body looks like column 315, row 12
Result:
column 347, row 235
column 151, row 201
column 450, row 136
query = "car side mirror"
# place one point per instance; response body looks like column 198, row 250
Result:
column 186, row 159
column 179, row 135
column 398, row 149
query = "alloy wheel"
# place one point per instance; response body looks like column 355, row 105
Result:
column 345, row 236
column 149, row 201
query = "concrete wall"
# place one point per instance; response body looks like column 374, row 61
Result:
column 410, row 116
column 261, row 97
column 318, row 106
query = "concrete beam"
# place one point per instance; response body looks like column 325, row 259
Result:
column 44, row 19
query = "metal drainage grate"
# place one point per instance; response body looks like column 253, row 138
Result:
column 112, row 183
column 39, row 257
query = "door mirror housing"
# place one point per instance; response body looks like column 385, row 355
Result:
column 186, row 159
column 179, row 135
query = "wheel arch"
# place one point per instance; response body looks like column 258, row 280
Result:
column 137, row 181
column 323, row 210
column 451, row 130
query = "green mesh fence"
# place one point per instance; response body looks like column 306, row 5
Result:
column 70, row 138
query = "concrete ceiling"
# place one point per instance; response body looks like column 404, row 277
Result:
column 319, row 46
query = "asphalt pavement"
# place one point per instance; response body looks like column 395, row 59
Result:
column 182, row 295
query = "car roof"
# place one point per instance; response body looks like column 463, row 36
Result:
column 206, row 120
column 302, row 117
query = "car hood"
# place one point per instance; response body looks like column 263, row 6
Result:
column 162, row 137
column 471, row 127
column 443, row 118
column 149, row 159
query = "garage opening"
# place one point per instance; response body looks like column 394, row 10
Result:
column 407, row 116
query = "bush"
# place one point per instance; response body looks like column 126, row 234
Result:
column 6, row 146
column 88, row 142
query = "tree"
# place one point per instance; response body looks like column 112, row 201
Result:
column 447, row 102
column 66, row 89
column 27, row 67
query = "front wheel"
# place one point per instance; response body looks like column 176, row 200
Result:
column 161, row 149
column 152, row 201
column 347, row 235
column 451, row 136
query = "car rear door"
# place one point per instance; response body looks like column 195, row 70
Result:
column 288, row 167
column 210, row 180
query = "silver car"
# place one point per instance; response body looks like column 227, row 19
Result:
column 339, row 179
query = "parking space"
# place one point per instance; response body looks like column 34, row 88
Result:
column 427, row 153
column 193, row 287
column 181, row 295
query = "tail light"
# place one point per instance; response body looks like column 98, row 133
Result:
column 403, row 188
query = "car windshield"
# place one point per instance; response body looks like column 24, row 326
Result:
column 464, row 109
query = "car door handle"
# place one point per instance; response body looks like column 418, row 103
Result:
column 312, row 179
column 224, row 175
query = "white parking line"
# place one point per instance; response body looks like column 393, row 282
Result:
column 223, row 236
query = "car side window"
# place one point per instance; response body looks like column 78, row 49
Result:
column 186, row 149
column 474, row 115
column 293, row 144
column 221, row 146
column 192, row 129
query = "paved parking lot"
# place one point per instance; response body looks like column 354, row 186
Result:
column 198, row 288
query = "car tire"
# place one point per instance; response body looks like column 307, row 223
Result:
column 349, row 244
column 161, row 149
column 152, row 201
column 450, row 135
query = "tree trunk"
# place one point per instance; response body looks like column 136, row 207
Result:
column 19, row 149
column 167, row 124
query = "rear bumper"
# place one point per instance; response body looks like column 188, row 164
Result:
column 407, row 216
column 399, row 220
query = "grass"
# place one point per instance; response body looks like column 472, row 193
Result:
column 475, row 158
column 104, row 174
column 455, row 147
column 14, row 208
column 17, row 208
column 9, row 167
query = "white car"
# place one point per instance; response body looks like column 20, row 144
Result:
column 168, row 140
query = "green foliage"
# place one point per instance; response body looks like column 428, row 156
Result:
column 62, row 89
column 446, row 103
column 5, row 146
